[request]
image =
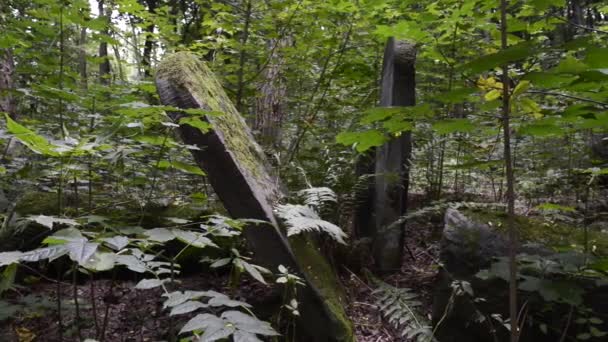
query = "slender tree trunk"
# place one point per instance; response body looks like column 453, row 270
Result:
column 82, row 58
column 243, row 54
column 269, row 107
column 149, row 43
column 104, row 66
column 7, row 71
column 506, row 113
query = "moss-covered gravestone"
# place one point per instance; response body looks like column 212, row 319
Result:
column 392, row 158
column 238, row 172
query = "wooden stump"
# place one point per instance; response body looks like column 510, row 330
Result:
column 239, row 174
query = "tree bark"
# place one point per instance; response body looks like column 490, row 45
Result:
column 149, row 43
column 7, row 85
column 104, row 66
column 269, row 106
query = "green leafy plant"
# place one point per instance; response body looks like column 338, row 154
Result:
column 401, row 309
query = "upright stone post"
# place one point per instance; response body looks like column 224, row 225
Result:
column 392, row 159
column 239, row 174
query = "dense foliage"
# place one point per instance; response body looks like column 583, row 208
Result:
column 95, row 178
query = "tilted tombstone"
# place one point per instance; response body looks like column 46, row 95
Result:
column 239, row 174
column 392, row 158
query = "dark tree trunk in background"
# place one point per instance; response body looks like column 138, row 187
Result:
column 104, row 66
column 393, row 158
column 269, row 107
column 242, row 55
column 82, row 58
column 7, row 71
column 149, row 44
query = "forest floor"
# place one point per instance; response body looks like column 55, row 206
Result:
column 125, row 314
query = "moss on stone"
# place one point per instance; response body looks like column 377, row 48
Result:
column 183, row 69
column 323, row 278
column 37, row 203
column 537, row 230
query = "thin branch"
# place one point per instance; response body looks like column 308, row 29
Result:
column 579, row 26
column 568, row 96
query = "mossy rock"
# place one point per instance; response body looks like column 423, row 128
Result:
column 535, row 230
column 476, row 240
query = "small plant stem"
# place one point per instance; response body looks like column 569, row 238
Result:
column 94, row 303
column 75, row 295
column 104, row 326
column 59, row 317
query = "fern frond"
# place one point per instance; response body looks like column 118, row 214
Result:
column 317, row 197
column 441, row 207
column 401, row 309
column 303, row 218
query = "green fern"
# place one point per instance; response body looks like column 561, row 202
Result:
column 401, row 309
column 302, row 218
column 318, row 197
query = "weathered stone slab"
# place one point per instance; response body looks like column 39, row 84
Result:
column 469, row 244
column 238, row 172
column 392, row 159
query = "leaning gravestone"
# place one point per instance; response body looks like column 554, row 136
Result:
column 392, row 158
column 238, row 172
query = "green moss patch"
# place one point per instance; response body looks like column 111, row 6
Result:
column 537, row 230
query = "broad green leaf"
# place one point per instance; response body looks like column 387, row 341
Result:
column 51, row 253
column 194, row 239
column 30, row 139
column 570, row 65
column 545, row 4
column 196, row 123
column 81, row 250
column 453, row 125
column 146, row 284
column 203, row 322
column 132, row 263
column 159, row 234
column 187, row 307
column 491, row 61
column 249, row 323
column 8, row 258
column 254, row 272
column 117, row 242
column 362, row 141
column 100, row 261
column 380, row 113
column 521, row 88
column 492, row 95
column 597, row 57
column 49, row 221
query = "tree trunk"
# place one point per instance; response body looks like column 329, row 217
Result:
column 269, row 107
column 104, row 66
column 241, row 72
column 393, row 158
column 82, row 58
column 149, row 44
column 7, row 85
